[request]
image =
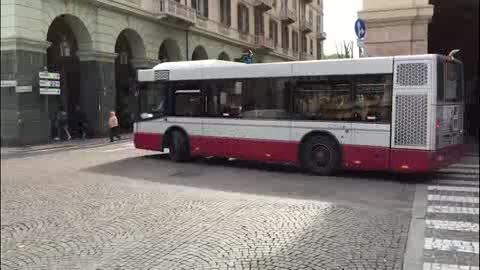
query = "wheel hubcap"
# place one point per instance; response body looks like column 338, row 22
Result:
column 320, row 155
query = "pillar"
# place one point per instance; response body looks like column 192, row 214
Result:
column 25, row 120
column 97, row 89
column 396, row 27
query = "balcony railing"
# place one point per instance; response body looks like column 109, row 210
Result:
column 264, row 42
column 321, row 36
column 223, row 29
column 170, row 9
column 288, row 15
column 306, row 56
column 306, row 25
column 263, row 5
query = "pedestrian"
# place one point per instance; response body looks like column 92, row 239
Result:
column 113, row 125
column 80, row 122
column 62, row 124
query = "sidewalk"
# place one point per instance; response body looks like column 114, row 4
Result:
column 54, row 145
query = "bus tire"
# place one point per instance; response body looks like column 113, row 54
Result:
column 320, row 155
column 179, row 147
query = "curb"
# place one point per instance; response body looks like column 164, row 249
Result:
column 413, row 257
column 66, row 146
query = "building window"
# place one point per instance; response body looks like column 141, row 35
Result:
column 259, row 23
column 295, row 41
column 294, row 4
column 285, row 37
column 304, row 43
column 243, row 21
column 311, row 46
column 201, row 6
column 273, row 29
column 225, row 17
column 319, row 27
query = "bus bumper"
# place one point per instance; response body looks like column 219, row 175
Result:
column 147, row 141
column 419, row 161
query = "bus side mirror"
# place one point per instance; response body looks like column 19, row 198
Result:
column 146, row 116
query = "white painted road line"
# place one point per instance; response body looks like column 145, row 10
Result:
column 454, row 188
column 457, row 182
column 451, row 245
column 452, row 210
column 446, row 198
column 441, row 266
column 452, row 225
column 464, row 165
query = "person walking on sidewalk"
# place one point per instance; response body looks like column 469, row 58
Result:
column 113, row 125
column 62, row 124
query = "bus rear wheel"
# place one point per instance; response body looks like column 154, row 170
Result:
column 179, row 149
column 320, row 155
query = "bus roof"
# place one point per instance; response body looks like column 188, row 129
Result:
column 218, row 69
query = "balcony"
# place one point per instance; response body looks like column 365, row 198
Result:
column 321, row 36
column 174, row 12
column 263, row 5
column 306, row 26
column 223, row 29
column 288, row 16
column 306, row 56
column 262, row 42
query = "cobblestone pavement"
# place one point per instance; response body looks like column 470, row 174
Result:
column 114, row 207
column 452, row 220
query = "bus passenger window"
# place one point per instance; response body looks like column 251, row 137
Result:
column 373, row 98
column 188, row 103
column 323, row 98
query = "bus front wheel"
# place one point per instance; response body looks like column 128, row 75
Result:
column 320, row 155
column 179, row 149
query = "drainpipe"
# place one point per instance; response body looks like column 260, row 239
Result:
column 186, row 43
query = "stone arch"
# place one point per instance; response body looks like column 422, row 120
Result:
column 169, row 51
column 82, row 36
column 67, row 35
column 135, row 42
column 199, row 53
column 223, row 56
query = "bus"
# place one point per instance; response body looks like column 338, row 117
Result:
column 399, row 114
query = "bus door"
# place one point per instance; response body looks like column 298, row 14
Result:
column 371, row 122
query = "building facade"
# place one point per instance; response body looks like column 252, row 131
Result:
column 97, row 46
column 429, row 26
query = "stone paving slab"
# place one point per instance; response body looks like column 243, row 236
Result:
column 120, row 210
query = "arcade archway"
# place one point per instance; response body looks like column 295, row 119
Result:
column 199, row 54
column 67, row 35
column 224, row 56
column 129, row 46
column 169, row 51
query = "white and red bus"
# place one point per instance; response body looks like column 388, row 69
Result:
column 402, row 114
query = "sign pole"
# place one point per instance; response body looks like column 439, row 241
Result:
column 48, row 117
column 360, row 31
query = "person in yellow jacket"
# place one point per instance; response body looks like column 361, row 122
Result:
column 113, row 125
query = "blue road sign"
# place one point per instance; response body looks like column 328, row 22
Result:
column 360, row 28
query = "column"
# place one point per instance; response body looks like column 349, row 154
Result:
column 24, row 116
column 97, row 89
column 396, row 28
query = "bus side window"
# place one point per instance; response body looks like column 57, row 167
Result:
column 373, row 98
column 223, row 98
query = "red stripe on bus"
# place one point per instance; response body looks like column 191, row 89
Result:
column 354, row 157
column 147, row 141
